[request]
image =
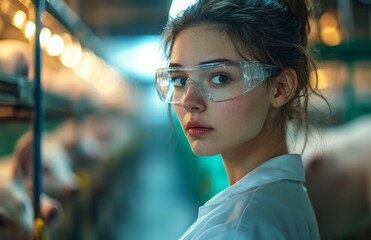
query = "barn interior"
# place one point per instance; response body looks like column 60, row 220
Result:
column 88, row 83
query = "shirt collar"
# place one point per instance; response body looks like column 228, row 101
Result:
column 284, row 167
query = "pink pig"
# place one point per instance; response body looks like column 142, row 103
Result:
column 16, row 213
column 16, row 210
column 59, row 179
column 338, row 179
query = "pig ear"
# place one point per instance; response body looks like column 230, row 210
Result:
column 23, row 154
column 315, row 163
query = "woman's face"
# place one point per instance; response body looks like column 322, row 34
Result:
column 217, row 127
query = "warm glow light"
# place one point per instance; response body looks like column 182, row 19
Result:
column 55, row 45
column 328, row 19
column 330, row 33
column 331, row 36
column 97, row 72
column 86, row 66
column 19, row 19
column 5, row 6
column 323, row 80
column 29, row 30
column 66, row 39
column 71, row 55
column 331, row 75
column 45, row 36
column 110, row 84
column 313, row 34
column 362, row 73
column 111, row 88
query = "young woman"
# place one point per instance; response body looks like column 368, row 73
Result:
column 238, row 70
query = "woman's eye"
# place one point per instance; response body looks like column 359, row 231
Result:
column 179, row 81
column 220, row 79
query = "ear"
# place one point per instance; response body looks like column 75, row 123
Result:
column 284, row 88
column 23, row 154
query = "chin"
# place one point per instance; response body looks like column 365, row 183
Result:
column 203, row 150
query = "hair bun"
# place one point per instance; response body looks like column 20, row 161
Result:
column 300, row 10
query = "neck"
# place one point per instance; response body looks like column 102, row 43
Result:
column 267, row 144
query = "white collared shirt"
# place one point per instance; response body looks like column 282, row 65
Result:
column 270, row 203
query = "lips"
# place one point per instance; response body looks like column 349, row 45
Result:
column 197, row 129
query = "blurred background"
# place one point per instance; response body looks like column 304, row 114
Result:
column 113, row 165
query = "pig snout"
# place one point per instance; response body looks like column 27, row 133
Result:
column 50, row 215
column 51, row 210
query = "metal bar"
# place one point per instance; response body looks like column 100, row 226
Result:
column 38, row 110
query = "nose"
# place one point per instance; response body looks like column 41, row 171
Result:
column 52, row 215
column 51, row 210
column 193, row 100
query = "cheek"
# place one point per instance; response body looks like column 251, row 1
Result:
column 240, row 116
column 244, row 117
column 180, row 111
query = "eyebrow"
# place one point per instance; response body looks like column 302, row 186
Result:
column 202, row 63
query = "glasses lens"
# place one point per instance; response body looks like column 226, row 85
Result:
column 164, row 87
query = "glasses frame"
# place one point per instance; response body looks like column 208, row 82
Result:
column 256, row 71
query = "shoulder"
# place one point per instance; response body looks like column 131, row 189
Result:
column 277, row 201
column 277, row 211
column 230, row 232
column 267, row 212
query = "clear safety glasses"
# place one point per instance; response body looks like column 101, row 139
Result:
column 218, row 81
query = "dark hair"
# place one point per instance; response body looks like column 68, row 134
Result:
column 271, row 31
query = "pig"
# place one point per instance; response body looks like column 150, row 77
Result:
column 16, row 214
column 15, row 57
column 338, row 178
column 94, row 139
column 51, row 211
column 93, row 142
column 82, row 146
column 16, row 210
column 112, row 132
column 59, row 180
